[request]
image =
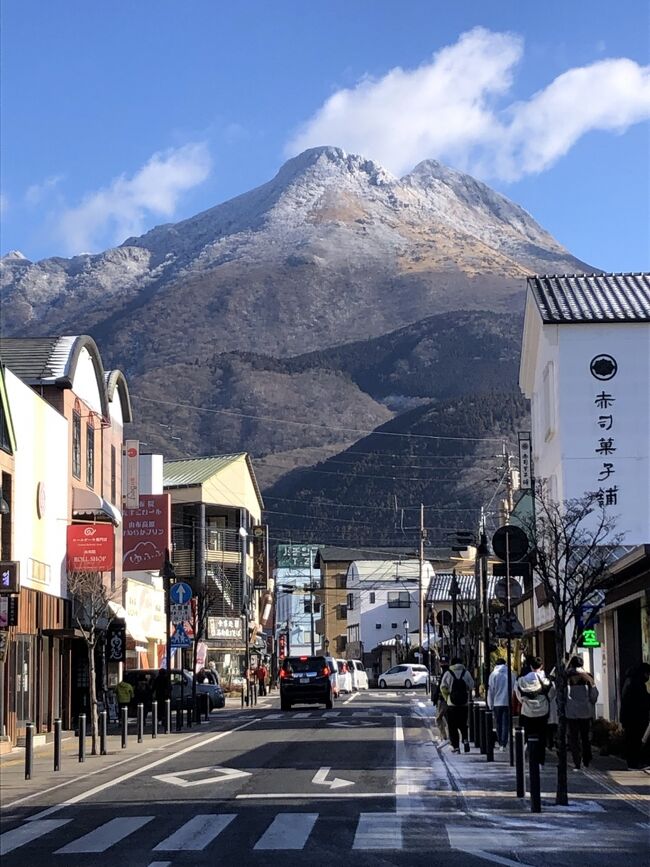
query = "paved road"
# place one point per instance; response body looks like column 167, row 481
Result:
column 303, row 787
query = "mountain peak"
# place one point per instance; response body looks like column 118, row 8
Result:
column 327, row 160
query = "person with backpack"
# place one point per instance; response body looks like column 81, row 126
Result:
column 498, row 700
column 456, row 687
column 439, row 703
column 535, row 691
column 582, row 695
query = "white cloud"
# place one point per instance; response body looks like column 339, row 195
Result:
column 110, row 215
column 455, row 108
column 37, row 192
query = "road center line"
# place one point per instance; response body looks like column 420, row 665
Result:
column 89, row 794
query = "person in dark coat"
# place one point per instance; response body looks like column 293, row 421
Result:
column 162, row 687
column 635, row 713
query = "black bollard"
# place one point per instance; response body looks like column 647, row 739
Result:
column 242, row 695
column 481, row 732
column 82, row 737
column 519, row 762
column 179, row 719
column 29, row 750
column 489, row 736
column 254, row 692
column 470, row 720
column 477, row 728
column 189, row 717
column 154, row 719
column 533, row 774
column 103, row 723
column 125, row 725
column 58, row 730
column 168, row 716
column 206, row 707
column 197, row 710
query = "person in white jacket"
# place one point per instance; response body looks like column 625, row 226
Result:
column 498, row 699
column 535, row 692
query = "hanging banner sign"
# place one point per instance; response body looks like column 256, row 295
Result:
column 147, row 533
column 116, row 642
column 261, row 556
column 91, row 547
column 525, row 461
column 132, row 474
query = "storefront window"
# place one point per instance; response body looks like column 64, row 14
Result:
column 76, row 445
column 90, row 456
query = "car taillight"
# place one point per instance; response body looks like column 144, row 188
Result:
column 326, row 671
column 283, row 673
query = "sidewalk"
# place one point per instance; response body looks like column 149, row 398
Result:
column 16, row 791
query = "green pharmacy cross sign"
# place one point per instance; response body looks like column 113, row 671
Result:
column 588, row 639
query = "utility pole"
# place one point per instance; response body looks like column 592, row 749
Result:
column 483, row 567
column 421, row 593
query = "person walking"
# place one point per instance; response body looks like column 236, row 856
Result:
column 582, row 695
column 124, row 693
column 498, row 700
column 635, row 713
column 440, row 704
column 535, row 692
column 261, row 678
column 456, row 687
column 161, row 687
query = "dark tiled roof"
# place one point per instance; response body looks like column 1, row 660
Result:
column 37, row 360
column 440, row 587
column 592, row 297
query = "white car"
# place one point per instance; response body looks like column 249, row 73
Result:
column 334, row 675
column 359, row 674
column 404, row 676
column 345, row 678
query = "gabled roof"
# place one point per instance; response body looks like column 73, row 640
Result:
column 388, row 571
column 190, row 472
column 440, row 587
column 592, row 297
column 6, row 412
column 52, row 361
column 113, row 378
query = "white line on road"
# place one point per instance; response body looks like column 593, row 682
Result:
column 160, row 864
column 352, row 697
column 378, row 831
column 102, row 838
column 288, row 831
column 292, row 796
column 17, row 837
column 195, row 835
column 84, row 795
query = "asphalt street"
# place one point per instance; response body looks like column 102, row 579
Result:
column 307, row 786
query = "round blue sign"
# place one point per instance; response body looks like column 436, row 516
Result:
column 180, row 592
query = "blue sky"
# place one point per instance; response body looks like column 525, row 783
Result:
column 118, row 116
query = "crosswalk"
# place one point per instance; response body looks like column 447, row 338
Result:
column 297, row 715
column 290, row 831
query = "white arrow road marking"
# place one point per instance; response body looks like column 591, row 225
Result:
column 218, row 775
column 353, row 725
column 336, row 783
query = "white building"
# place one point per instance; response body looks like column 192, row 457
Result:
column 294, row 575
column 383, row 595
column 585, row 366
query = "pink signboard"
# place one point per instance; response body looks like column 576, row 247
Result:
column 146, row 533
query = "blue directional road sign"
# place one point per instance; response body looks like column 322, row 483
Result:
column 180, row 638
column 180, row 592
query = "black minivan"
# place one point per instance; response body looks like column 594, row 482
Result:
column 305, row 680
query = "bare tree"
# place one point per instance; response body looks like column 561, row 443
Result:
column 206, row 599
column 92, row 613
column 573, row 543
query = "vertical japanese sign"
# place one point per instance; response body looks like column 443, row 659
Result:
column 604, row 368
column 261, row 556
column 132, row 474
column 525, row 461
column 146, row 533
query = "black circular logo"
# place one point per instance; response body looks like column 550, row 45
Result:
column 603, row 367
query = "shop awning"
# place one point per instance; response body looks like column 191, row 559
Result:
column 133, row 624
column 85, row 502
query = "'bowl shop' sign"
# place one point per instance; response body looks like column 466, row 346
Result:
column 91, row 547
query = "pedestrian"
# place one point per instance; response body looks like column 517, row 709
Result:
column 261, row 678
column 535, row 692
column 456, row 687
column 161, row 686
column 553, row 716
column 582, row 695
column 498, row 700
column 440, row 704
column 143, row 696
column 124, row 693
column 635, row 713
column 212, row 667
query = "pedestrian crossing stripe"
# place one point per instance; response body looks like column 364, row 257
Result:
column 287, row 831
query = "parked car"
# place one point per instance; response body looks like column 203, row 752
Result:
column 345, row 678
column 334, row 675
column 359, row 674
column 404, row 676
column 305, row 680
column 181, row 688
column 213, row 690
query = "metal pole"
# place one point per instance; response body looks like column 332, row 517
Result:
column 189, row 717
column 484, row 604
column 29, row 750
column 509, row 652
column 519, row 763
column 103, row 725
column 168, row 716
column 82, row 737
column 254, row 693
column 206, row 708
column 533, row 773
column 154, row 719
column 482, row 739
column 489, row 736
column 421, row 593
column 179, row 719
column 477, row 735
column 454, row 613
column 58, row 728
column 125, row 726
column 470, row 720
column 140, row 722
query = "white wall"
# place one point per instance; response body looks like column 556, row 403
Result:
column 41, row 457
column 85, row 382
